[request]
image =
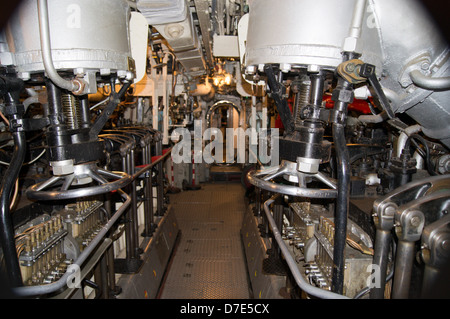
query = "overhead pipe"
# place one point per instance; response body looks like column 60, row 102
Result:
column 428, row 83
column 76, row 86
column 357, row 19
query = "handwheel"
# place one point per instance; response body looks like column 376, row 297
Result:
column 288, row 170
column 83, row 173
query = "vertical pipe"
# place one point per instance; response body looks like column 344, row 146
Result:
column 341, row 207
column 258, row 202
column 131, row 245
column 113, row 288
column 357, row 19
column 380, row 258
column 128, row 230
column 104, row 278
column 278, row 211
column 148, row 203
column 150, row 184
column 110, row 252
column 98, row 280
column 193, row 170
column 134, row 213
column 342, row 201
column 343, row 166
column 384, row 222
column 146, row 199
column 403, row 268
column 172, row 176
column 56, row 134
column 160, row 179
column 431, row 276
column 85, row 115
column 264, row 230
column 139, row 110
column 6, row 225
column 165, row 128
column 317, row 88
column 144, row 155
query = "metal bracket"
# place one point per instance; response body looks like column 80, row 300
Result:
column 356, row 71
column 103, row 118
column 29, row 124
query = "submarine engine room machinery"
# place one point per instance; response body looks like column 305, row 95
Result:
column 355, row 204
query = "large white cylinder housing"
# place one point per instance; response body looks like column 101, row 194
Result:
column 85, row 34
column 305, row 33
column 399, row 37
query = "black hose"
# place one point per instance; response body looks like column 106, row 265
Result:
column 277, row 95
column 427, row 150
column 6, row 225
column 342, row 203
column 342, row 96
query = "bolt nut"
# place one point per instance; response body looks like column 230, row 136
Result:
column 350, row 44
column 343, row 95
column 62, row 167
column 308, row 165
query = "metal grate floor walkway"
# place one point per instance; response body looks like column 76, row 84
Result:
column 209, row 262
